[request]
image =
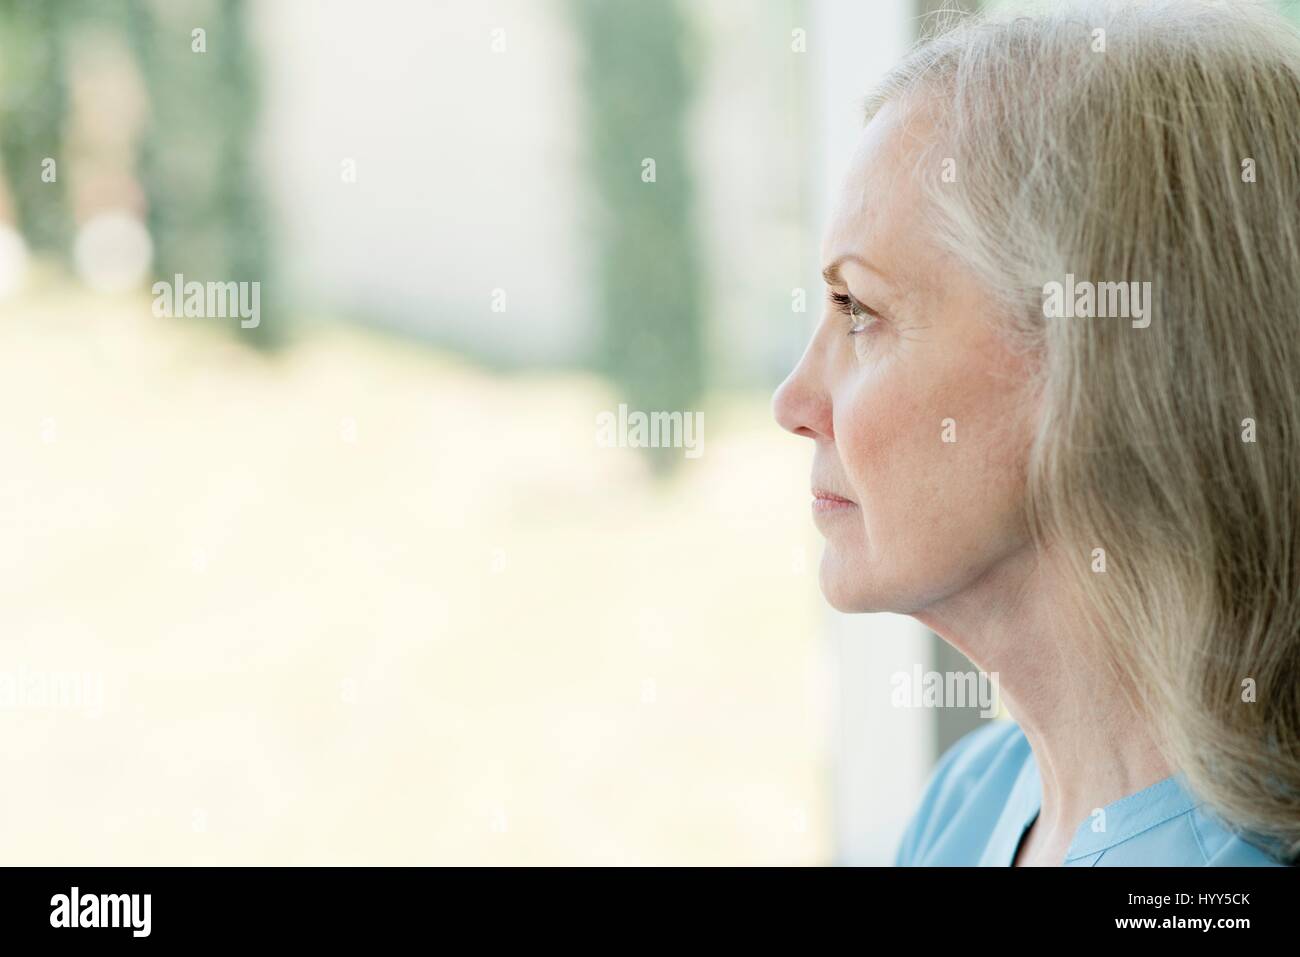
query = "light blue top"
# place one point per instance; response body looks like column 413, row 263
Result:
column 985, row 792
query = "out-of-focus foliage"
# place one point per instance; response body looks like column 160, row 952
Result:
column 638, row 88
column 207, row 212
column 33, row 104
column 193, row 159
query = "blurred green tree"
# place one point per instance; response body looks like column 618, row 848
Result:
column 207, row 208
column 207, row 214
column 33, row 107
column 637, row 86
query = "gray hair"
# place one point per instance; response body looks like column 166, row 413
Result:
column 1150, row 142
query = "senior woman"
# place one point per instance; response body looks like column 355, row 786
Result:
column 1054, row 398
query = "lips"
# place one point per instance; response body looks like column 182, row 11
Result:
column 825, row 500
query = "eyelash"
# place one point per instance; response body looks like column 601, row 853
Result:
column 846, row 304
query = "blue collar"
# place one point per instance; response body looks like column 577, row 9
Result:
column 1112, row 824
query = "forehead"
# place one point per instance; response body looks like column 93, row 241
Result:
column 877, row 213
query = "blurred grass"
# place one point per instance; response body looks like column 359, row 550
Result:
column 364, row 603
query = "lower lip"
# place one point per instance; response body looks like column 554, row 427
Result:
column 828, row 506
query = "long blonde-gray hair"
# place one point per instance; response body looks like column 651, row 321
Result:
column 1150, row 142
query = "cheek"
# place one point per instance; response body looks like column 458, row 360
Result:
column 889, row 442
column 935, row 458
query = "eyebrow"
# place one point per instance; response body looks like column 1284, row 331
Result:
column 831, row 274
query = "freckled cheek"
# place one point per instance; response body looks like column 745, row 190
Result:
column 888, row 438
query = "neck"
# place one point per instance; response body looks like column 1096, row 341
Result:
column 1091, row 745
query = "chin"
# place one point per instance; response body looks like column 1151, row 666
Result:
column 852, row 585
column 847, row 586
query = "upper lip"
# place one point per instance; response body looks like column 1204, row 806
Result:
column 830, row 496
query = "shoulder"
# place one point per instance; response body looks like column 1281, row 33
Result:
column 973, row 778
column 1224, row 846
column 1195, row 837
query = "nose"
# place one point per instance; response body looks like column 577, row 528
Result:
column 801, row 403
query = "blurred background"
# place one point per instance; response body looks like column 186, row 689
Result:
column 356, row 579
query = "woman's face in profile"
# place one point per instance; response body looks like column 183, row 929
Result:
column 915, row 406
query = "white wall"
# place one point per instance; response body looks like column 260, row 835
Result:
column 468, row 165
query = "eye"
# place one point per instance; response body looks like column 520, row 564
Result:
column 862, row 316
